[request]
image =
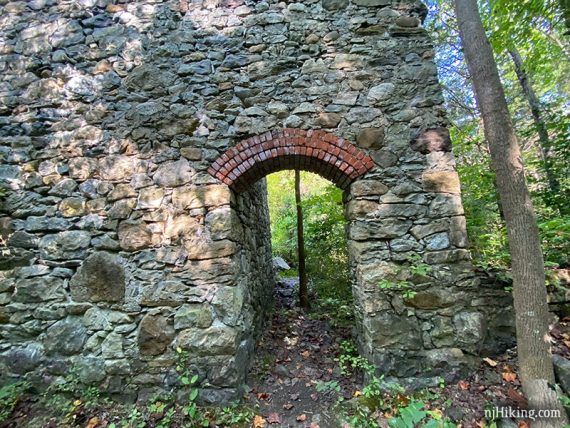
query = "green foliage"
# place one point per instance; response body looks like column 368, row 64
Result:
column 329, row 386
column 325, row 238
column 535, row 28
column 188, row 379
column 415, row 415
column 10, row 394
column 349, row 360
column 417, row 268
column 235, row 414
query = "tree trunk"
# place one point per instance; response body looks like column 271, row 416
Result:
column 545, row 146
column 565, row 8
column 529, row 290
column 303, row 288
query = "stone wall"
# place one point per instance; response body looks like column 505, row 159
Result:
column 118, row 245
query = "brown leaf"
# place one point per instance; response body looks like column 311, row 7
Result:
column 93, row 422
column 523, row 424
column 265, row 396
column 305, row 354
column 288, row 406
column 258, row 421
column 491, row 362
column 314, row 425
column 302, row 418
column 509, row 376
column 517, row 397
column 463, row 385
column 274, row 418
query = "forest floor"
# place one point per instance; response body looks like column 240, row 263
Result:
column 296, row 381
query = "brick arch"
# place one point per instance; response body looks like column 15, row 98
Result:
column 316, row 151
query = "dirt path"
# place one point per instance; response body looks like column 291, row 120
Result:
column 295, row 354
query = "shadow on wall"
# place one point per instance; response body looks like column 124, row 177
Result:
column 119, row 244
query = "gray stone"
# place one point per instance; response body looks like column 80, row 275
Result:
column 334, row 4
column 22, row 239
column 470, row 327
column 134, row 235
column 329, row 120
column 280, row 264
column 387, row 229
column 193, row 315
column 562, row 372
column 38, row 289
column 218, row 339
column 372, row 3
column 100, row 278
column 112, row 346
column 155, row 334
column 172, row 174
column 65, row 337
column 438, row 241
column 370, row 138
column 64, row 245
column 381, row 93
column 22, row 360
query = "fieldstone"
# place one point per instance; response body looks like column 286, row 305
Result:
column 280, row 264
column 407, row 21
column 387, row 329
column 150, row 198
column 116, row 168
column 112, row 346
column 155, row 334
column 22, row 239
column 200, row 197
column 334, row 4
column 203, row 250
column 437, row 241
column 72, row 207
column 228, row 302
column 172, row 174
column 121, row 191
column 444, row 205
column 360, row 208
column 169, row 293
column 100, row 278
column 368, row 188
column 39, row 289
column 372, row 3
column 191, row 153
column 65, row 337
column 387, row 229
column 442, row 334
column 329, row 120
column 65, row 245
column 121, row 209
column 470, row 328
column 422, row 230
column 96, row 318
column 458, row 232
column 193, row 315
column 370, row 138
column 446, row 256
column 562, row 372
column 381, row 93
column 432, row 299
column 217, row 339
column 223, row 223
column 82, row 168
column 24, row 359
column 91, row 370
column 134, row 235
column 441, row 182
column 432, row 140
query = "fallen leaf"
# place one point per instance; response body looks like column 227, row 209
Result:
column 302, row 418
column 258, row 421
column 509, row 376
column 357, row 393
column 314, row 425
column 305, row 354
column 463, row 385
column 93, row 422
column 314, row 397
column 265, row 396
column 523, row 424
column 274, row 418
column 288, row 406
column 491, row 362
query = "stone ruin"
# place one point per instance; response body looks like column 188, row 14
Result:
column 135, row 138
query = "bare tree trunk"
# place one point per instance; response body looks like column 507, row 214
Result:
column 529, row 290
column 303, row 288
column 545, row 146
column 565, row 7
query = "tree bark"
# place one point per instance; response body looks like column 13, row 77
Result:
column 565, row 8
column 529, row 290
column 545, row 146
column 303, row 287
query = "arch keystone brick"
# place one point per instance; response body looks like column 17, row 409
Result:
column 316, row 151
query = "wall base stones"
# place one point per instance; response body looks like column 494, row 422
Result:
column 118, row 245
